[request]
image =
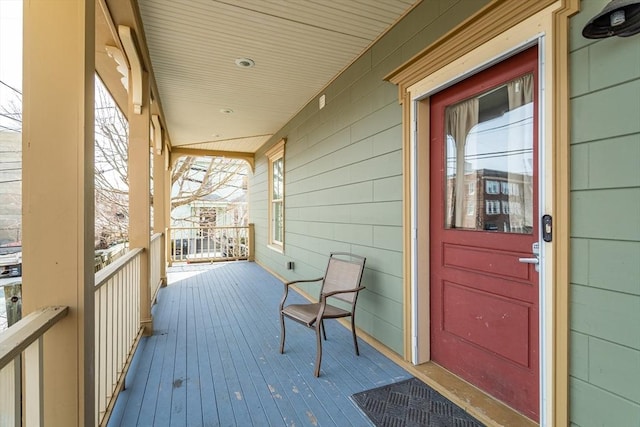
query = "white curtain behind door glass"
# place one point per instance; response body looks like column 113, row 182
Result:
column 520, row 91
column 459, row 120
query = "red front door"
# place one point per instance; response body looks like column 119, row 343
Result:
column 484, row 218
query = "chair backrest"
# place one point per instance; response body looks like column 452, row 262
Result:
column 344, row 271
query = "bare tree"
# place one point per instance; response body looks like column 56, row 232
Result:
column 193, row 178
column 111, row 169
column 196, row 177
column 11, row 111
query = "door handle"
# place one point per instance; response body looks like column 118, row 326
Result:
column 535, row 260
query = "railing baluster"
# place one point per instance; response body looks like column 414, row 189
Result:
column 25, row 340
column 155, row 257
column 34, row 402
column 206, row 244
column 117, row 289
column 10, row 392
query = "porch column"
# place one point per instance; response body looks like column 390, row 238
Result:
column 58, row 198
column 159, row 201
column 168, row 172
column 139, row 192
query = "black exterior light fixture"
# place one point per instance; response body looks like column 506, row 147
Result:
column 618, row 18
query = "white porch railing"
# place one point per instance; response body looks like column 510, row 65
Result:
column 117, row 333
column 206, row 244
column 21, row 349
column 118, row 329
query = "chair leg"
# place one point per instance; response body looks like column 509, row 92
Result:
column 324, row 331
column 353, row 331
column 281, row 333
column 318, row 351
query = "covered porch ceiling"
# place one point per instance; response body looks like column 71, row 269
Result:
column 195, row 51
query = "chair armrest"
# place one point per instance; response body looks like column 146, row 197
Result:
column 323, row 300
column 346, row 291
column 286, row 288
column 302, row 281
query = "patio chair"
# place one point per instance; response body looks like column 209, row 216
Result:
column 341, row 282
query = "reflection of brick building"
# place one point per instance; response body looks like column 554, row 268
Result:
column 494, row 200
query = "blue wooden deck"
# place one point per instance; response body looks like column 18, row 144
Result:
column 213, row 359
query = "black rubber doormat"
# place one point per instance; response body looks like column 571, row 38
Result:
column 411, row 403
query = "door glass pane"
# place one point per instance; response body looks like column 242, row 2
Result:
column 489, row 158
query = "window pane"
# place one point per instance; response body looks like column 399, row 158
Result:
column 277, row 222
column 489, row 146
column 278, row 181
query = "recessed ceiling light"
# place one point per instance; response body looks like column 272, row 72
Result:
column 226, row 110
column 245, row 62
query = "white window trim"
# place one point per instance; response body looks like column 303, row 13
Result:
column 492, row 186
column 492, row 207
column 273, row 154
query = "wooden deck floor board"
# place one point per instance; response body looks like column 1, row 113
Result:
column 223, row 368
column 332, row 399
column 214, row 359
column 221, row 398
column 298, row 389
column 243, row 368
column 281, row 389
column 193, row 363
column 265, row 376
column 164, row 392
column 210, row 399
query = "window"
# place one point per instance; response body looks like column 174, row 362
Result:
column 511, row 188
column 515, row 208
column 471, row 207
column 493, row 207
column 481, row 165
column 471, row 188
column 208, row 217
column 493, row 187
column 276, row 195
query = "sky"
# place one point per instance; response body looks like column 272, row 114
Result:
column 11, row 42
column 10, row 52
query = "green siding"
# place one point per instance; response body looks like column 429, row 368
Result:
column 606, row 314
column 579, row 363
column 594, row 406
column 606, row 214
column 343, row 173
column 618, row 104
column 605, row 227
column 609, row 368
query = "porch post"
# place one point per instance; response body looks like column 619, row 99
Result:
column 159, row 201
column 58, row 198
column 168, row 171
column 139, row 192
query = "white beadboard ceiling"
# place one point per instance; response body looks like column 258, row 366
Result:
column 298, row 47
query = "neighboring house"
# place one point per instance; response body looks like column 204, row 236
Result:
column 213, row 210
column 206, row 228
column 493, row 201
column 542, row 316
